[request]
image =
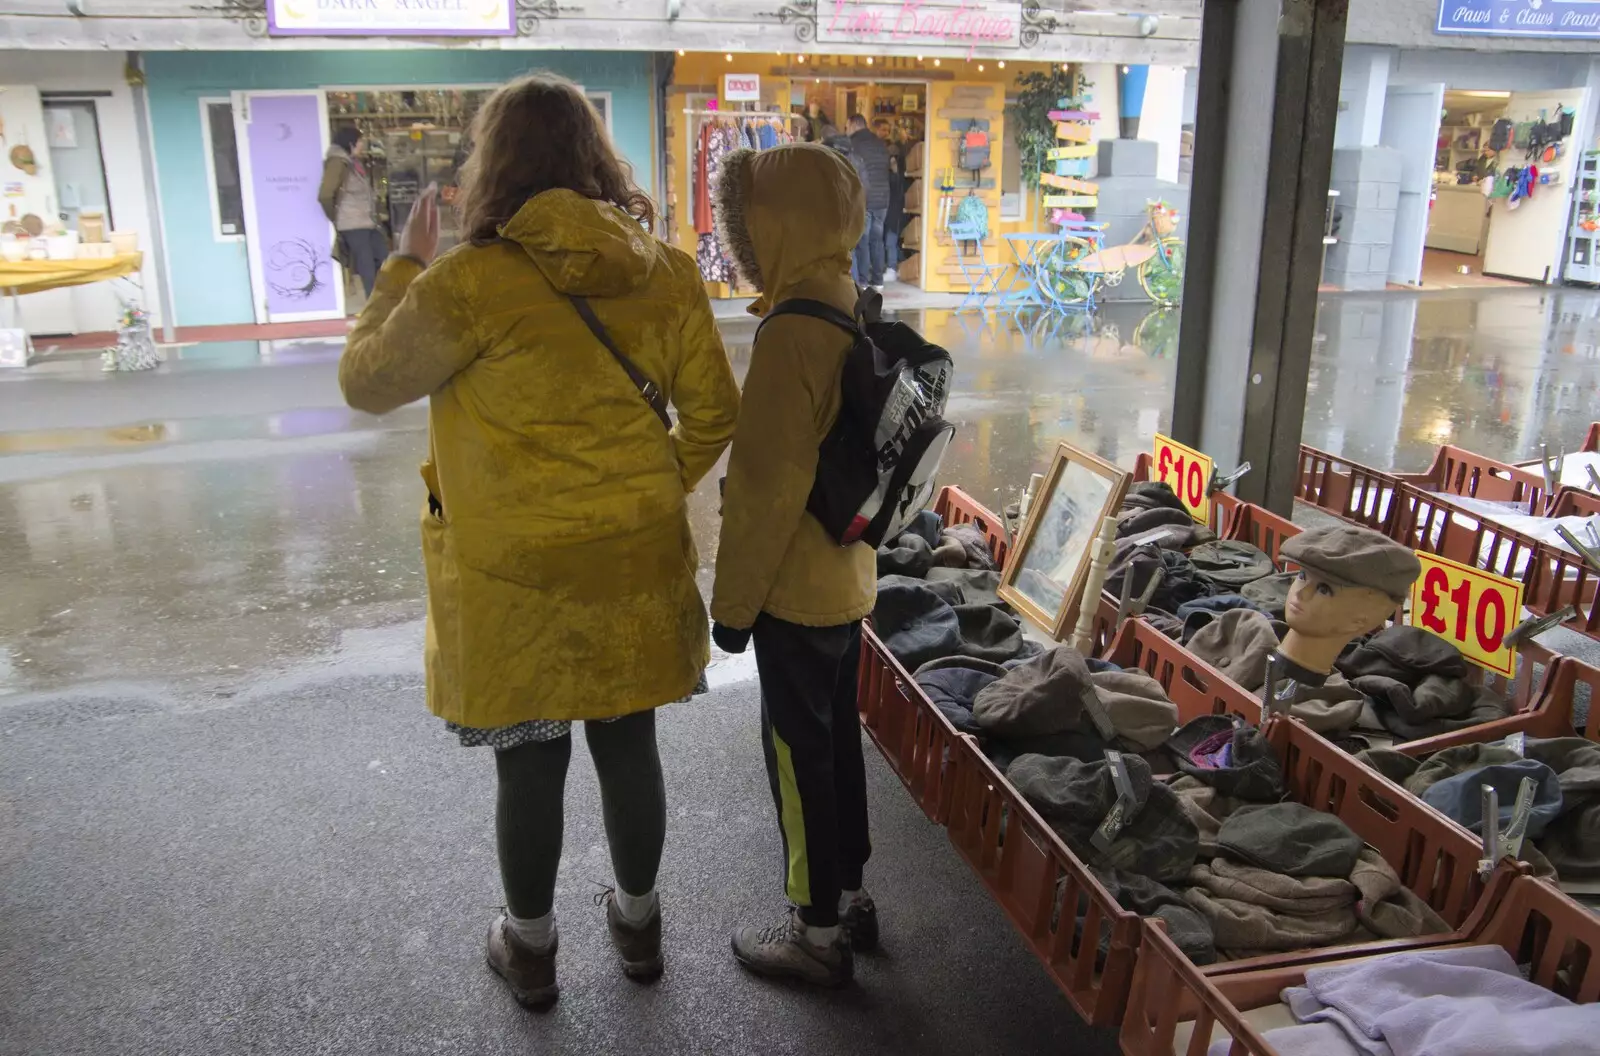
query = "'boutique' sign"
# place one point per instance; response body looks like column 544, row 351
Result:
column 391, row 18
column 1520, row 18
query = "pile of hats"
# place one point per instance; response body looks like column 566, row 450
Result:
column 938, row 597
column 1046, row 705
column 1419, row 685
column 1564, row 828
column 1201, row 577
column 1271, row 875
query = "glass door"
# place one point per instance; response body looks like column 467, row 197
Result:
column 73, row 134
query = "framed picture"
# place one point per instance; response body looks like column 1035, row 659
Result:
column 1044, row 576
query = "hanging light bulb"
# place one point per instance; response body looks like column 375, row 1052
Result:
column 1124, row 69
column 936, row 62
column 1001, row 64
column 680, row 53
column 729, row 56
column 869, row 60
column 1066, row 67
column 800, row 58
column 980, row 67
column 919, row 58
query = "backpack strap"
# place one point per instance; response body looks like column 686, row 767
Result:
column 647, row 388
column 816, row 310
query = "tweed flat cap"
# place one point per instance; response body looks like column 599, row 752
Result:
column 1355, row 557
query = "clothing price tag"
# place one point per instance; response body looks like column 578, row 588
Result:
column 1471, row 609
column 1117, row 816
column 1187, row 472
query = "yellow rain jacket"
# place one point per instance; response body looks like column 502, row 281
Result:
column 791, row 217
column 559, row 559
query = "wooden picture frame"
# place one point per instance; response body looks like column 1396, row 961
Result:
column 1078, row 492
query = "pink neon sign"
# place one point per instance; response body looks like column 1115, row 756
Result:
column 960, row 23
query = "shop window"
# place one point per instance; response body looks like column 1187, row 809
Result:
column 1010, row 179
column 222, row 169
column 602, row 103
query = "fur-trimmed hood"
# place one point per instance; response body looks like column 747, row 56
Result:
column 788, row 215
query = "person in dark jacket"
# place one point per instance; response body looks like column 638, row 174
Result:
column 347, row 198
column 895, row 219
column 873, row 156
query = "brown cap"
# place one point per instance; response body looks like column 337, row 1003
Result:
column 1355, row 557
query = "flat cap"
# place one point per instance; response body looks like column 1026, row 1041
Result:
column 1355, row 557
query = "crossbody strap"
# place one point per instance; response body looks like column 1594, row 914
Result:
column 647, row 388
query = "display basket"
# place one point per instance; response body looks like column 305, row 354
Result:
column 1544, row 693
column 1174, row 1009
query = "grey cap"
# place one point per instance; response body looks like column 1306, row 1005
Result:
column 1355, row 557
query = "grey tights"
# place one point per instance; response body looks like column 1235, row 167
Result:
column 530, row 803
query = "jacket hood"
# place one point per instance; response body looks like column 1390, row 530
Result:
column 582, row 246
column 789, row 214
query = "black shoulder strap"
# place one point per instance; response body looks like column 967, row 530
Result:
column 816, row 310
column 647, row 388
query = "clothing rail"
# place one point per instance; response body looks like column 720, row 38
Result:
column 741, row 113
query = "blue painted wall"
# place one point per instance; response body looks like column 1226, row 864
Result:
column 211, row 279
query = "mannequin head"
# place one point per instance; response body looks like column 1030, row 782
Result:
column 1351, row 580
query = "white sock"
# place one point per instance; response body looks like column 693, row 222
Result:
column 822, row 938
column 536, row 932
column 637, row 909
column 847, row 897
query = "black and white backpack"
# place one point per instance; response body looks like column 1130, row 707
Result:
column 876, row 466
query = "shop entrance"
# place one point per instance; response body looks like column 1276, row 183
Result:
column 1491, row 204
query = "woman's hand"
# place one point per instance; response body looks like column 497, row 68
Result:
column 420, row 237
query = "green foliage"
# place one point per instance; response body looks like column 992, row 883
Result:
column 1029, row 117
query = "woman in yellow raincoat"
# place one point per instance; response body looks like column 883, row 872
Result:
column 559, row 558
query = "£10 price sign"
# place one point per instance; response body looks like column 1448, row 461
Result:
column 1471, row 609
column 1187, row 472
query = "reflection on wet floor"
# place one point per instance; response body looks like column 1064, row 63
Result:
column 205, row 548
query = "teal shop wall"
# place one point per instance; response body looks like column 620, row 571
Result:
column 211, row 279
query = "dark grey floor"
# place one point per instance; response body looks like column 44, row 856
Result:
column 313, row 871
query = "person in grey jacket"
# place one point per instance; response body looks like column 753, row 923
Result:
column 873, row 156
column 347, row 199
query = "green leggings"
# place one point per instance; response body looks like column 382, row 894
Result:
column 529, row 807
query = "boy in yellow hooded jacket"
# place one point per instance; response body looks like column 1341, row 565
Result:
column 791, row 217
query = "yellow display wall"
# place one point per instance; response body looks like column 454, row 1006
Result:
column 952, row 91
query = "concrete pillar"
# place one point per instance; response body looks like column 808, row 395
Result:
column 1363, row 83
column 1268, row 102
column 1162, row 121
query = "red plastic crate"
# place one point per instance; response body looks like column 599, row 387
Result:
column 1262, row 529
column 1366, row 496
column 1591, row 439
column 1575, row 502
column 1532, row 921
column 1349, row 490
column 955, row 507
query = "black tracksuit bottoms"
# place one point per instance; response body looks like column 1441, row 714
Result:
column 811, row 736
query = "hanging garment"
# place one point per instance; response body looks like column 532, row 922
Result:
column 703, row 219
column 767, row 136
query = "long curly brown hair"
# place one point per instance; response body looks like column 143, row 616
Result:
column 535, row 134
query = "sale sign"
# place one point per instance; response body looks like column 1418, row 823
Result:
column 1188, row 473
column 1471, row 609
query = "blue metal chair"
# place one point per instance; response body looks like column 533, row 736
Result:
column 983, row 278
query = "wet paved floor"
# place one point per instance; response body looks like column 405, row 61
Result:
column 226, row 822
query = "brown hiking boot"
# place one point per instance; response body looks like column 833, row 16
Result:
column 530, row 973
column 639, row 944
column 783, row 951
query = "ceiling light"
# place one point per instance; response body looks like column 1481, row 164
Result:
column 800, row 58
column 1124, row 69
column 1487, row 95
column 980, row 67
column 919, row 58
column 1001, row 64
column 869, row 60
column 936, row 62
column 1066, row 67
column 729, row 56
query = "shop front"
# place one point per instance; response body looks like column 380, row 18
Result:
column 241, row 139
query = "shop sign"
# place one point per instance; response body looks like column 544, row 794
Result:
column 1471, row 609
column 741, row 87
column 391, row 18
column 1519, row 18
column 1187, row 472
column 920, row 23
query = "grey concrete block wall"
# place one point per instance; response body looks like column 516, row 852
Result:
column 1128, row 157
column 1368, row 182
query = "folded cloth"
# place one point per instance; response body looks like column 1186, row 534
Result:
column 1201, row 611
column 1301, row 896
column 1253, row 771
column 1138, row 521
column 1271, row 593
column 1044, row 695
column 964, row 546
column 1460, row 797
column 1572, row 841
column 1406, row 654
column 1207, row 809
column 1453, row 1001
column 1387, row 908
column 1247, row 928
column 1231, row 563
column 1157, row 839
column 918, row 625
column 1138, row 707
column 1308, row 1039
column 908, row 555
column 988, row 633
column 1311, row 1012
column 1237, row 643
column 950, row 593
column 953, row 683
column 1290, row 838
column 1186, row 928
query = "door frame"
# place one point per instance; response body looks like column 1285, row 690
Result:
column 1435, row 90
column 258, row 285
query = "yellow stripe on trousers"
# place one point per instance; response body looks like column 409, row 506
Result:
column 790, row 816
